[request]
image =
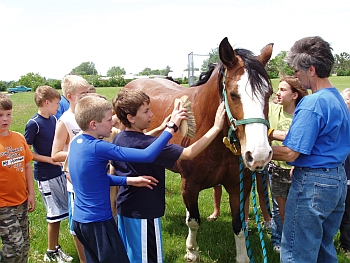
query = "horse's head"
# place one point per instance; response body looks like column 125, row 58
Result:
column 246, row 89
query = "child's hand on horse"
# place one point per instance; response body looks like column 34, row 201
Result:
column 178, row 114
column 142, row 181
column 220, row 116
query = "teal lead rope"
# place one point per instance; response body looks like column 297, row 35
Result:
column 266, row 193
column 262, row 242
column 241, row 209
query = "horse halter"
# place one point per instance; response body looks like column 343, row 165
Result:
column 232, row 141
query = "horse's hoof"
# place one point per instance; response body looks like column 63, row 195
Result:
column 192, row 256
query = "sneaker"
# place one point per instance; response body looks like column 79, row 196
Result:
column 64, row 257
column 277, row 249
column 51, row 256
column 268, row 225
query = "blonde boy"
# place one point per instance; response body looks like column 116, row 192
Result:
column 92, row 219
column 73, row 87
column 17, row 195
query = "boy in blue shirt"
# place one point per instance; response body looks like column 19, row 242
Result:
column 93, row 222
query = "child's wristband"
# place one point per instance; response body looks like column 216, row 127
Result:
column 270, row 131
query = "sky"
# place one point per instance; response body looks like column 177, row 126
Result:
column 53, row 37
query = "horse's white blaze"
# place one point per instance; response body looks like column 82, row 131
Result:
column 256, row 150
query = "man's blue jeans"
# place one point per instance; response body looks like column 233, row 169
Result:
column 345, row 225
column 314, row 210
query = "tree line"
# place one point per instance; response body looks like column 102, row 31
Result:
column 88, row 71
column 275, row 68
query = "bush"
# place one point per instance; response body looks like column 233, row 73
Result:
column 55, row 83
column 341, row 72
column 3, row 86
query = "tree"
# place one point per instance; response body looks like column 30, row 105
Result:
column 3, row 86
column 342, row 64
column 145, row 72
column 31, row 80
column 213, row 58
column 116, row 72
column 55, row 83
column 155, row 72
column 165, row 71
column 85, row 68
column 277, row 67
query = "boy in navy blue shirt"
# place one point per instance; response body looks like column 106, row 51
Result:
column 93, row 222
column 139, row 210
column 39, row 133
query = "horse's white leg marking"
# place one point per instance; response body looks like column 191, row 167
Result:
column 256, row 149
column 241, row 248
column 192, row 254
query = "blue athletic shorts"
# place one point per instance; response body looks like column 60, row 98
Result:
column 142, row 239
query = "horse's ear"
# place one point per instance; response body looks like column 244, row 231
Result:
column 266, row 53
column 227, row 54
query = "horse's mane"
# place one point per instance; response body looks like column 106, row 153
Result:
column 171, row 79
column 256, row 72
column 204, row 76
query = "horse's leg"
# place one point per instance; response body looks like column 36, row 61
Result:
column 190, row 197
column 241, row 249
column 192, row 254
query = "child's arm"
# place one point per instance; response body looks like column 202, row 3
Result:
column 160, row 128
column 142, row 181
column 139, row 181
column 277, row 135
column 61, row 138
column 194, row 149
column 149, row 154
column 43, row 158
column 30, row 187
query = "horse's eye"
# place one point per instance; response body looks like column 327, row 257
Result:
column 234, row 96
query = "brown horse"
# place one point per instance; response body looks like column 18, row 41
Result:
column 241, row 80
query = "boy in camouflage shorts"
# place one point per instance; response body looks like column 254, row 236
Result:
column 17, row 195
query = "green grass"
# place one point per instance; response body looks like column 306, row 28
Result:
column 215, row 239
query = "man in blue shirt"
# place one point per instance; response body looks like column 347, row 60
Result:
column 317, row 145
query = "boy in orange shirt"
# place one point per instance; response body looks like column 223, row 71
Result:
column 17, row 195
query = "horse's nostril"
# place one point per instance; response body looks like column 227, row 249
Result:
column 248, row 156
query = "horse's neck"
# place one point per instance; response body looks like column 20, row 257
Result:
column 206, row 92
